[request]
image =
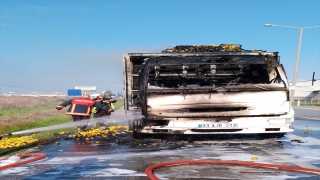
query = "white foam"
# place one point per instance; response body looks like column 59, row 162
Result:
column 10, row 160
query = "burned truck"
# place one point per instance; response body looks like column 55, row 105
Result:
column 207, row 89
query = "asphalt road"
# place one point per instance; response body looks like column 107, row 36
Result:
column 307, row 113
column 73, row 160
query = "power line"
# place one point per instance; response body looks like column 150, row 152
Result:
column 26, row 88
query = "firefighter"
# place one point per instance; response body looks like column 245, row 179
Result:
column 108, row 102
column 101, row 107
column 80, row 108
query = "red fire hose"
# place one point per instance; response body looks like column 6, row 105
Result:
column 150, row 174
column 35, row 157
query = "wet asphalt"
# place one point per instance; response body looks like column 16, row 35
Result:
column 127, row 158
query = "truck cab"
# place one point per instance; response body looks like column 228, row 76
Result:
column 217, row 89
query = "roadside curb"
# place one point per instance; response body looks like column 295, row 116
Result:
column 306, row 107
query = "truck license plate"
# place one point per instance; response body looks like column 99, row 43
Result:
column 228, row 125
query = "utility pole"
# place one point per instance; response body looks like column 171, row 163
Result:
column 297, row 56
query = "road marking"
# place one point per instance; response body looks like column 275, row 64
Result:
column 284, row 157
column 304, row 117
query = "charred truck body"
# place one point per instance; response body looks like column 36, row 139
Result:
column 216, row 89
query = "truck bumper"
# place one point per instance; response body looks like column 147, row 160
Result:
column 252, row 125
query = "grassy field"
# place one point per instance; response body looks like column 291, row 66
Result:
column 23, row 113
column 32, row 112
column 307, row 105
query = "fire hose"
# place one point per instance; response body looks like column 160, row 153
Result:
column 34, row 157
column 149, row 170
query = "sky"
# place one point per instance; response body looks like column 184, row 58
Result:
column 53, row 46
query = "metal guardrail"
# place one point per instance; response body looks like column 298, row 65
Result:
column 309, row 101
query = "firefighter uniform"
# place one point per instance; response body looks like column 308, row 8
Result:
column 80, row 108
column 101, row 108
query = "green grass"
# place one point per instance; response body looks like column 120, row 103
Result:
column 42, row 137
column 9, row 112
column 118, row 104
column 36, row 117
column 306, row 105
column 51, row 134
column 58, row 118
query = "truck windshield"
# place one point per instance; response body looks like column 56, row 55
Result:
column 213, row 75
